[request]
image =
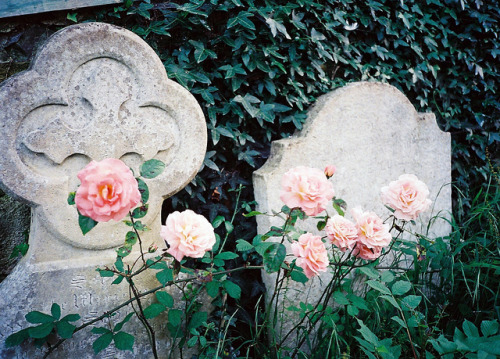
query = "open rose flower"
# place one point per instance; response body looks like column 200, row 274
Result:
column 407, row 196
column 341, row 232
column 372, row 232
column 188, row 234
column 306, row 188
column 108, row 190
column 311, row 254
column 362, row 251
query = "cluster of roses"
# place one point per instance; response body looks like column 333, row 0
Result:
column 309, row 189
column 109, row 191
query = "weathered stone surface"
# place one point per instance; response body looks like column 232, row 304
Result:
column 93, row 91
column 372, row 134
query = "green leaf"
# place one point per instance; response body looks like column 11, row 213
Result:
column 370, row 272
column 340, row 298
column 165, row 276
column 226, row 255
column 130, row 238
column 299, row 276
column 175, row 317
column 352, row 310
column 119, row 264
column 152, row 168
column 36, row 317
column 71, row 16
column 86, row 223
column 489, row 327
column 124, row 341
column 105, row 272
column 165, row 299
column 118, row 280
column 242, row 245
column 401, row 287
column 357, row 301
column 252, row 214
column 71, row 317
column 470, row 329
column 391, row 300
column 218, row 221
column 21, row 249
column 64, row 329
column 367, row 333
column 411, row 301
column 71, row 198
column 213, row 288
column 273, row 256
column 399, row 321
column 379, row 286
column 143, row 190
column 55, row 310
column 140, row 212
column 192, row 341
column 17, row 338
column 102, row 342
column 232, row 289
column 41, row 331
column 197, row 319
column 154, row 310
column 120, row 325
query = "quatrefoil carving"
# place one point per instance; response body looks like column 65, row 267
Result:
column 94, row 91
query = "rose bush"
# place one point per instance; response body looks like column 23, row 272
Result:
column 306, row 188
column 407, row 196
column 311, row 254
column 108, row 190
column 188, row 235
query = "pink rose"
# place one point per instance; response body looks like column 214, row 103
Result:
column 330, row 171
column 108, row 190
column 311, row 254
column 407, row 196
column 306, row 188
column 341, row 232
column 188, row 234
column 362, row 251
column 372, row 232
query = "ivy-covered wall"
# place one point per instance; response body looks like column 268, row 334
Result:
column 256, row 66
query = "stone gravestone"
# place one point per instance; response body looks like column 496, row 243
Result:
column 94, row 91
column 372, row 134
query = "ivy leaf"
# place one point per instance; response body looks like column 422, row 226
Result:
column 152, row 168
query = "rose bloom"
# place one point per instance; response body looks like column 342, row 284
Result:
column 407, row 196
column 188, row 234
column 330, row 171
column 372, row 232
column 341, row 232
column 108, row 190
column 311, row 254
column 306, row 188
column 362, row 251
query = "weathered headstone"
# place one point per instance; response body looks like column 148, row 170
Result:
column 94, row 91
column 372, row 134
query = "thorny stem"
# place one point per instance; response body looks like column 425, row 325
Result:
column 240, row 188
column 140, row 295
column 138, row 238
column 144, row 321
